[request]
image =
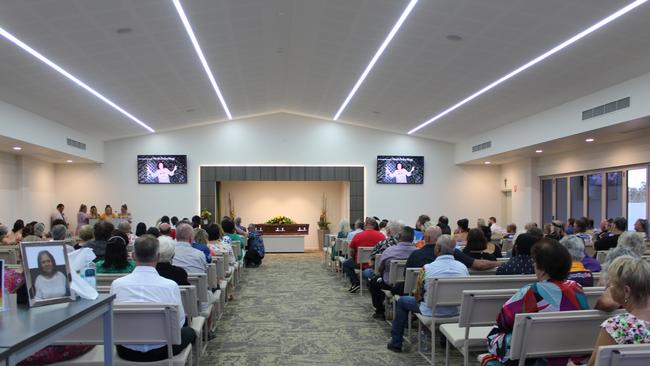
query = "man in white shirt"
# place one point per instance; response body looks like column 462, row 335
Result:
column 144, row 285
column 190, row 259
column 496, row 229
column 58, row 214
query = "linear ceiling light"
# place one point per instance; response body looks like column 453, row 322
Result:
column 534, row 61
column 374, row 59
column 199, row 52
column 63, row 72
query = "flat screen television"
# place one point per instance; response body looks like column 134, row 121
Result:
column 162, row 169
column 400, row 169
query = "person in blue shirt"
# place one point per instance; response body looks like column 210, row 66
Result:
column 201, row 243
column 444, row 266
column 419, row 227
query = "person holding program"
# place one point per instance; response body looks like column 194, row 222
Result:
column 50, row 282
column 400, row 173
column 162, row 173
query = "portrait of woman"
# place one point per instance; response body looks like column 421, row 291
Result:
column 47, row 272
column 50, row 282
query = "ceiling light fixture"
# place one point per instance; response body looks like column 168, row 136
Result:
column 535, row 61
column 374, row 59
column 589, row 140
column 539, row 151
column 17, row 148
column 68, row 75
column 487, row 163
column 68, row 161
column 199, row 52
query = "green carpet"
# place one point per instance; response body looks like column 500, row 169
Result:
column 294, row 311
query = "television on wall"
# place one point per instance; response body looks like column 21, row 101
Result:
column 162, row 169
column 400, row 169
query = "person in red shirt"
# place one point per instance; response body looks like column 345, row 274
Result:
column 367, row 238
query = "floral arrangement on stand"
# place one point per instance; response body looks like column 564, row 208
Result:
column 323, row 224
column 280, row 220
column 205, row 215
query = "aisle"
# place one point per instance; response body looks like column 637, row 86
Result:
column 292, row 311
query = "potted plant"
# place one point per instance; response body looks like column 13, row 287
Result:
column 205, row 216
column 323, row 225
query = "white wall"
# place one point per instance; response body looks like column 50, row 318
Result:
column 257, row 202
column 26, row 189
column 283, row 139
column 525, row 191
column 25, row 126
column 564, row 120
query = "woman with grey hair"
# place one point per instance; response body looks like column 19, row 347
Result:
column 632, row 241
column 165, row 268
column 576, row 247
column 344, row 229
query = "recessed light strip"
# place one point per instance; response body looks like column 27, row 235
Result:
column 199, row 52
column 536, row 60
column 65, row 73
column 374, row 59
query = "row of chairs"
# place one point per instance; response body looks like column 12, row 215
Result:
column 127, row 317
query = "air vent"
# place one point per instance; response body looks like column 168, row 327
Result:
column 483, row 146
column 606, row 108
column 77, row 144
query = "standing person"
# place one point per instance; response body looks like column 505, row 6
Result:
column 367, row 238
column 125, row 214
column 145, row 285
column 82, row 218
column 400, row 174
column 58, row 214
column 93, row 213
column 108, row 213
column 162, row 174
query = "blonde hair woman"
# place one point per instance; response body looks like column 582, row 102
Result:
column 629, row 285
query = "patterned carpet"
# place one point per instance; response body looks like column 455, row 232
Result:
column 294, row 311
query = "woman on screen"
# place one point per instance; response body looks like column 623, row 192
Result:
column 400, row 173
column 50, row 282
column 162, row 173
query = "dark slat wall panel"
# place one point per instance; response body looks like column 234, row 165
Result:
column 354, row 175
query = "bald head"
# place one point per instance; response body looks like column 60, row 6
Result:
column 184, row 233
column 431, row 235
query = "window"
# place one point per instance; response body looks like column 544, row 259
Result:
column 561, row 199
column 636, row 196
column 594, row 197
column 614, row 194
column 577, row 196
column 547, row 200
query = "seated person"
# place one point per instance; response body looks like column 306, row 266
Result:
column 556, row 230
column 553, row 292
column 511, row 231
column 229, row 231
column 629, row 285
column 102, row 231
column 201, row 242
column 641, row 228
column 400, row 251
column 477, row 246
column 116, row 259
column 521, row 262
column 165, row 268
column 421, row 226
column 443, row 224
column 608, row 240
column 145, row 285
column 255, row 248
column 220, row 245
column 480, row 224
column 426, row 254
column 367, row 238
column 444, row 266
column 191, row 259
column 578, row 272
column 460, row 234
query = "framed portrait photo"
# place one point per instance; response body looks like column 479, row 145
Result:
column 47, row 272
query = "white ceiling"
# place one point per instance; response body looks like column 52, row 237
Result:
column 305, row 56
